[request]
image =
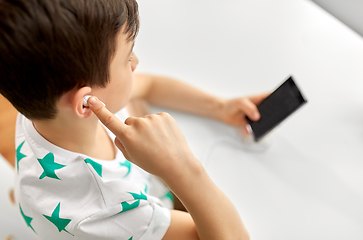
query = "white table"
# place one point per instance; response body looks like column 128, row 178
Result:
column 309, row 183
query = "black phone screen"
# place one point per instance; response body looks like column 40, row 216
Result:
column 280, row 104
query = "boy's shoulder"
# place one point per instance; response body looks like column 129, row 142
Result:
column 55, row 186
column 32, row 147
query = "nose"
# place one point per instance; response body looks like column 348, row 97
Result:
column 134, row 62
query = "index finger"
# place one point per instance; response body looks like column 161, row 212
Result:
column 106, row 117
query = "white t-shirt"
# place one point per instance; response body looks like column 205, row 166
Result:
column 67, row 195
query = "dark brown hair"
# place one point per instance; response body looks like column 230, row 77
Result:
column 49, row 47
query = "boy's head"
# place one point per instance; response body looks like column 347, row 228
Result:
column 49, row 47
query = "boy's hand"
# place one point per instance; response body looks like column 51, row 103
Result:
column 234, row 111
column 154, row 142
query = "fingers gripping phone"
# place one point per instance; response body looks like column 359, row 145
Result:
column 274, row 109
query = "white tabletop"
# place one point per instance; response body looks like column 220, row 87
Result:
column 308, row 182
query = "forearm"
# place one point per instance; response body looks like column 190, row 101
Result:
column 174, row 94
column 214, row 215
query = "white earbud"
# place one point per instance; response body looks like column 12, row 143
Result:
column 85, row 99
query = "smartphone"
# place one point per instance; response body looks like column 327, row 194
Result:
column 274, row 109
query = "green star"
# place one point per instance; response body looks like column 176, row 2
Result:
column 126, row 206
column 130, row 238
column 60, row 223
column 19, row 155
column 138, row 196
column 146, row 188
column 169, row 195
column 126, row 164
column 96, row 166
column 49, row 166
column 27, row 219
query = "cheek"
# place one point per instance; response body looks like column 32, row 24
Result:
column 118, row 92
column 128, row 87
column 127, row 81
column 122, row 93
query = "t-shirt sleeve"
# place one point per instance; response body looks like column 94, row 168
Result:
column 148, row 221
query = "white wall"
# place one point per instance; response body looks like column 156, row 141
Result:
column 349, row 12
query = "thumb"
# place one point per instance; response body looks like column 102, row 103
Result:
column 257, row 99
column 106, row 117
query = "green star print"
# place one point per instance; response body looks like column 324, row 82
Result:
column 27, row 219
column 49, row 166
column 168, row 195
column 60, row 223
column 96, row 166
column 19, row 155
column 128, row 165
column 138, row 196
column 126, row 206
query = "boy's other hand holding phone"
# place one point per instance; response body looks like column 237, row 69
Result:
column 234, row 111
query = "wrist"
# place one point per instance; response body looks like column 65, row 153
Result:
column 217, row 109
column 181, row 177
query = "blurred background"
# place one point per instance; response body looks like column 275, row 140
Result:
column 349, row 12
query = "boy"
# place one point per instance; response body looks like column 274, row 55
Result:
column 72, row 182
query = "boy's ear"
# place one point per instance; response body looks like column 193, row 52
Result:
column 77, row 103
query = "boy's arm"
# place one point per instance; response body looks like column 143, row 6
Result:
column 213, row 214
column 171, row 93
column 156, row 144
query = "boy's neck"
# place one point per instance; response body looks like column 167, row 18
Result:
column 86, row 136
